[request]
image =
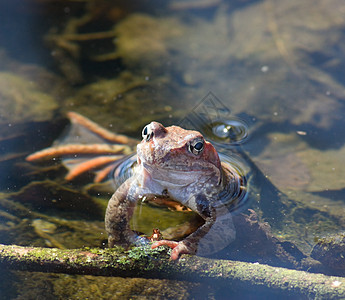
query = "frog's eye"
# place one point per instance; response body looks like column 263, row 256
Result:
column 196, row 146
column 147, row 133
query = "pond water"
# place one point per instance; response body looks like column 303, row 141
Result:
column 275, row 66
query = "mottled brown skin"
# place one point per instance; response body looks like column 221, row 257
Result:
column 177, row 164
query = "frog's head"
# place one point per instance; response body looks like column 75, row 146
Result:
column 177, row 156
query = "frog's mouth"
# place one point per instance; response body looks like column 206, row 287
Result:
column 178, row 175
column 190, row 168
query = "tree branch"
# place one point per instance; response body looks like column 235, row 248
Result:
column 147, row 263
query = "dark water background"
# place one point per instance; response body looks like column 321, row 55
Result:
column 277, row 65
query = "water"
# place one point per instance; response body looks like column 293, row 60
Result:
column 275, row 70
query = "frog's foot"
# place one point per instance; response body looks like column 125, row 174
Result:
column 178, row 248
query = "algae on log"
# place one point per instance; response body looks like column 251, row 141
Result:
column 147, row 263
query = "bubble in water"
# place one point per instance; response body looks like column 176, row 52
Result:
column 233, row 131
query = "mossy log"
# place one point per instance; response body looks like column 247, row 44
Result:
column 147, row 263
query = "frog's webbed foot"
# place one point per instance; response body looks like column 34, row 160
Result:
column 214, row 235
column 178, row 247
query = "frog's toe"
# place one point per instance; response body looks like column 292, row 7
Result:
column 170, row 244
column 178, row 248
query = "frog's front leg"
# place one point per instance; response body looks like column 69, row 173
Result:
column 216, row 233
column 117, row 216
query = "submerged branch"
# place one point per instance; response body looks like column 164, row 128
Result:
column 142, row 262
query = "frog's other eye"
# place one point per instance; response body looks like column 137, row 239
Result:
column 196, row 147
column 147, row 133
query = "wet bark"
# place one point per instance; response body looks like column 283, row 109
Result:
column 147, row 263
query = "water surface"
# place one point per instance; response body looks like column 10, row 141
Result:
column 278, row 66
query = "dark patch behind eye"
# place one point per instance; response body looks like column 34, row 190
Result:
column 202, row 205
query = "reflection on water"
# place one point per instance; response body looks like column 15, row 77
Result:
column 277, row 65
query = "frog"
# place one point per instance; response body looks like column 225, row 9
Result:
column 171, row 165
column 179, row 164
